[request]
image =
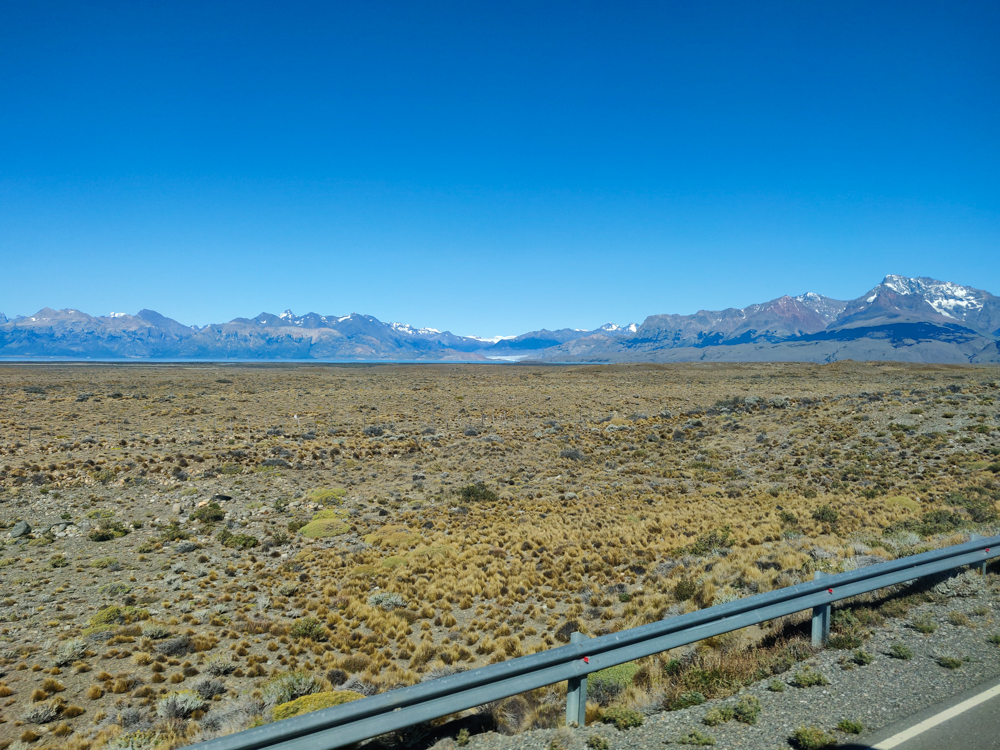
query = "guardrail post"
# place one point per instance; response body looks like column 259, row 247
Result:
column 576, row 694
column 821, row 620
column 976, row 538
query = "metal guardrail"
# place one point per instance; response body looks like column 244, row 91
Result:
column 397, row 709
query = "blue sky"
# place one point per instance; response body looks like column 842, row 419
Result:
column 491, row 168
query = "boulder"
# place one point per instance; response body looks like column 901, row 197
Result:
column 21, row 528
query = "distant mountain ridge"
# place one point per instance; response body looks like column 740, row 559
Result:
column 908, row 319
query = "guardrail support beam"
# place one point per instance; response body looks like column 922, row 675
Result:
column 576, row 694
column 820, row 620
column 976, row 538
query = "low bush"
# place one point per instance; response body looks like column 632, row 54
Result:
column 70, row 651
column 809, row 677
column 686, row 700
column 173, row 532
column 623, row 718
column 949, row 662
column 812, row 738
column 862, row 658
column 289, row 686
column 107, row 531
column 747, row 709
column 211, row 513
column 387, row 601
column 236, row 541
column 924, row 624
column 826, row 514
column 901, row 651
column 179, row 705
column 718, row 715
column 694, row 737
column 308, row 627
column 712, row 541
column 850, row 727
column 314, row 702
column 477, row 493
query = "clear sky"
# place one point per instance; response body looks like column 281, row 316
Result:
column 491, row 168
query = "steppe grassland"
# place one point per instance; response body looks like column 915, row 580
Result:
column 388, row 523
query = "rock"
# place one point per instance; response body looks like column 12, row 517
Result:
column 20, row 529
column 176, row 509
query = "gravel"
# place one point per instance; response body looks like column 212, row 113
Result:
column 884, row 691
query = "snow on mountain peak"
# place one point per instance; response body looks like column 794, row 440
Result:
column 945, row 297
column 116, row 315
column 615, row 328
column 287, row 315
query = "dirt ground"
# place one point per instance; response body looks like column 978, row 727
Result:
column 175, row 540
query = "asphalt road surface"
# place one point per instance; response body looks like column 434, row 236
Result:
column 970, row 721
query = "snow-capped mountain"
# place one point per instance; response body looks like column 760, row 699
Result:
column 899, row 298
column 917, row 319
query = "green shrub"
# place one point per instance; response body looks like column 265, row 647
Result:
column 776, row 686
column 211, row 513
column 314, row 702
column 812, row 738
column 949, row 662
column 900, row 650
column 309, row 627
column 236, row 541
column 58, row 561
column 959, row 619
column 330, row 496
column 718, row 715
column 108, row 531
column 809, row 677
column 597, row 742
column 994, row 639
column 694, row 737
column 788, row 518
column 712, row 541
column 862, row 658
column 747, row 709
column 685, row 589
column 686, row 700
column 325, row 524
column 844, row 641
column 476, row 493
column 850, row 727
column 116, row 615
column 173, row 532
column 619, row 676
column 463, row 737
column 825, row 514
column 623, row 718
column 924, row 624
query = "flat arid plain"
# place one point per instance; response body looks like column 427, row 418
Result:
column 189, row 550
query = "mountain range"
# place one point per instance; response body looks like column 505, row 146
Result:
column 907, row 319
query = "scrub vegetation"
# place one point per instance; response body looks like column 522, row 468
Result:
column 190, row 550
